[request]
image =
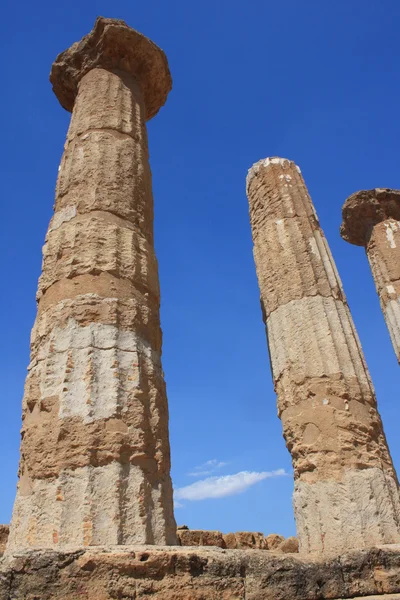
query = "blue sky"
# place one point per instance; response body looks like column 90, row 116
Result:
column 316, row 82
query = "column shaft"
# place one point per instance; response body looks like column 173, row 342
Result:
column 95, row 455
column 371, row 218
column 383, row 251
column 346, row 490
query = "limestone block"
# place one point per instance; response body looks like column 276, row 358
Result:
column 198, row 537
column 248, row 539
column 230, row 541
column 93, row 505
column 289, row 546
column 94, row 358
column 137, row 312
column 91, row 244
column 103, row 285
column 391, row 313
column 332, row 516
column 4, row 531
column 107, row 171
column 142, row 572
column 94, row 394
column 383, row 251
column 273, row 540
column 295, row 250
column 328, row 430
column 315, row 337
column 107, row 100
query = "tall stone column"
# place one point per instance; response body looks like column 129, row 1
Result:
column 371, row 218
column 95, row 456
column 346, row 491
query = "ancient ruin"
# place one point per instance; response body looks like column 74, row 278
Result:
column 171, row 573
column 371, row 218
column 93, row 517
column 95, row 457
column 346, row 490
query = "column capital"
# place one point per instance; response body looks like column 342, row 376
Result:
column 112, row 45
column 365, row 209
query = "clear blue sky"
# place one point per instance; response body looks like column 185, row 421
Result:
column 316, row 82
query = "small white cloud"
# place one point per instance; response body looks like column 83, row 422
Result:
column 226, row 485
column 178, row 504
column 207, row 468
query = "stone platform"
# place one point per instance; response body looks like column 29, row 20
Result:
column 194, row 573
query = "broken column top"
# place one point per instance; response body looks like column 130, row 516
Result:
column 114, row 46
column 364, row 209
column 265, row 162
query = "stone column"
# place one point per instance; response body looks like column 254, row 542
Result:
column 95, row 457
column 371, row 218
column 346, row 491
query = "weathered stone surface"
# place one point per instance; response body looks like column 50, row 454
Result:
column 110, row 97
column 236, row 541
column 113, row 46
column 273, row 540
column 91, row 245
column 199, row 537
column 365, row 209
column 4, row 530
column 289, row 546
column 303, row 258
column 103, row 171
column 323, row 355
column 371, row 218
column 173, row 573
column 248, row 539
column 346, row 490
column 130, row 309
column 230, row 541
column 95, row 456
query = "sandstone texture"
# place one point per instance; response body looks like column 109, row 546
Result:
column 346, row 489
column 236, row 541
column 4, row 530
column 198, row 537
column 95, row 456
column 371, row 218
column 173, row 573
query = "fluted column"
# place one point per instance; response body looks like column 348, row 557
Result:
column 346, row 491
column 371, row 218
column 95, row 457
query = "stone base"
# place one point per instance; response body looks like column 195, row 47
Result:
column 193, row 573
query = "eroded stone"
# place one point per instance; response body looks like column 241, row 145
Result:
column 325, row 396
column 371, row 218
column 112, row 45
column 174, row 573
column 95, row 456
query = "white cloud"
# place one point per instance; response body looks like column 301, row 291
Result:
column 207, row 468
column 226, row 485
column 178, row 504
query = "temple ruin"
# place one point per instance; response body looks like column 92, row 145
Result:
column 371, row 218
column 93, row 516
